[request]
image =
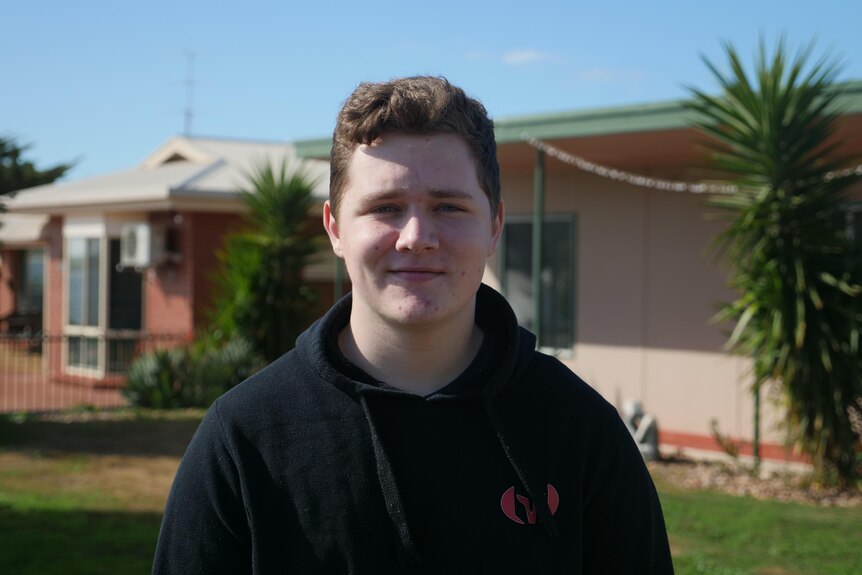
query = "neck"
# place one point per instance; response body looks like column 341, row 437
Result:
column 416, row 359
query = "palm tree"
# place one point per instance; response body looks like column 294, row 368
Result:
column 794, row 266
column 262, row 295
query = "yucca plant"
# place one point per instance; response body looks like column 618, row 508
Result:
column 156, row 379
column 788, row 243
column 219, row 366
column 261, row 294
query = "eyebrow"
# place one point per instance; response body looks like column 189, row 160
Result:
column 443, row 194
column 446, row 194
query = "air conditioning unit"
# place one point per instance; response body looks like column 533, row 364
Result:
column 137, row 246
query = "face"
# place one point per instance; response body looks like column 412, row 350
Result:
column 414, row 228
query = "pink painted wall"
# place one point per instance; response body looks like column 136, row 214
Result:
column 647, row 285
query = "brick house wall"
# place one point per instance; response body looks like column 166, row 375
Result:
column 209, row 233
column 178, row 293
column 167, row 289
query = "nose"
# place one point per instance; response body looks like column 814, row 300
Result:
column 417, row 234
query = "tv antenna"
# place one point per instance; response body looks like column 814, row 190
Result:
column 190, row 92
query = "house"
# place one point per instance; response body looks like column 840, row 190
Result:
column 630, row 280
column 126, row 258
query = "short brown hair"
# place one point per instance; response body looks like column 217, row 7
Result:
column 415, row 105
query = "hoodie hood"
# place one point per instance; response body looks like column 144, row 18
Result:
column 493, row 315
column 487, row 377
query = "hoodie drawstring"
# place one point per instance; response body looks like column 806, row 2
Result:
column 539, row 497
column 408, row 554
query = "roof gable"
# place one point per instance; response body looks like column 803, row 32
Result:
column 183, row 173
column 177, row 149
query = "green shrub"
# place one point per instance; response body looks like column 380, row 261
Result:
column 219, row 368
column 796, row 270
column 191, row 376
column 156, row 379
column 261, row 294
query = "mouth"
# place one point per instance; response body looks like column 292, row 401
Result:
column 416, row 274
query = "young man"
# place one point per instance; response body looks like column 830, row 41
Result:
column 414, row 428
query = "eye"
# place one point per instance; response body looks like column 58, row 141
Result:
column 383, row 209
column 449, row 208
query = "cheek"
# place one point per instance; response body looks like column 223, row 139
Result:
column 371, row 243
column 478, row 241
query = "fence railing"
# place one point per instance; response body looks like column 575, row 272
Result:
column 57, row 372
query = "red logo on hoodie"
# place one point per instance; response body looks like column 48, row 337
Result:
column 507, row 502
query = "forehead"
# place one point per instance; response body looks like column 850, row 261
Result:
column 399, row 160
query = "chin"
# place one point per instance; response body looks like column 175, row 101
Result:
column 417, row 312
column 413, row 313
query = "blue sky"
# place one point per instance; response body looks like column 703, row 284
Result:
column 104, row 82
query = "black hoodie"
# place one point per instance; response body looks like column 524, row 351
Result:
column 311, row 466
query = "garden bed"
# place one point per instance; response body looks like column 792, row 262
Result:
column 737, row 478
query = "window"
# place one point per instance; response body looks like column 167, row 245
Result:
column 125, row 288
column 103, row 302
column 853, row 217
column 83, row 281
column 83, row 352
column 558, row 277
column 124, row 298
column 83, row 302
column 30, row 281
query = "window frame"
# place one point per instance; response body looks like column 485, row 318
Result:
column 84, row 332
column 103, row 230
column 23, row 279
column 572, row 220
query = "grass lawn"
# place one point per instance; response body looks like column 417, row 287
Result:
column 86, row 496
column 717, row 534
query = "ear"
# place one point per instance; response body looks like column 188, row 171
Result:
column 331, row 227
column 496, row 228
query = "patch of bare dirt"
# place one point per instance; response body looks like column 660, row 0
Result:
column 117, row 458
column 131, row 483
column 736, row 478
column 111, row 432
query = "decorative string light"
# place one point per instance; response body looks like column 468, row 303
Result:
column 655, row 183
column 846, row 173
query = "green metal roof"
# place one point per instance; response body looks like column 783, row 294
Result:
column 317, row 148
column 614, row 120
column 646, row 117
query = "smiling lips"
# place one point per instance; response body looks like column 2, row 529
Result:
column 416, row 274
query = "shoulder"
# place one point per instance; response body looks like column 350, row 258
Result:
column 278, row 398
column 264, row 386
column 548, row 394
column 546, row 376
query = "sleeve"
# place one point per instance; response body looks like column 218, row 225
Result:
column 205, row 527
column 624, row 530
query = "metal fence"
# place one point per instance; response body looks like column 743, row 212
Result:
column 57, row 372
